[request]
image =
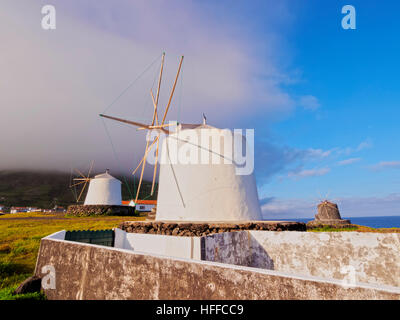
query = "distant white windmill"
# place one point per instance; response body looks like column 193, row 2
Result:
column 103, row 189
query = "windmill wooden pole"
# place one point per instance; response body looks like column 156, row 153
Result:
column 138, row 124
column 141, row 173
column 134, row 171
column 125, row 121
column 158, row 138
column 77, row 184
column 159, row 84
column 80, row 173
column 90, row 169
column 84, row 186
column 155, row 117
column 146, row 152
column 160, row 126
column 173, row 90
column 159, row 79
column 155, row 169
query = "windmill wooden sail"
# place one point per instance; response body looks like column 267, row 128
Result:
column 82, row 180
column 155, row 125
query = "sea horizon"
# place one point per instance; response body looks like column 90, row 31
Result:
column 369, row 221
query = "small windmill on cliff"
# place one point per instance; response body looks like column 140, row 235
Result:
column 156, row 124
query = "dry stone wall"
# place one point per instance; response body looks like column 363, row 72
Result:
column 100, row 210
column 198, row 229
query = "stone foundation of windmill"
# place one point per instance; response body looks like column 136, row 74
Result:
column 100, row 210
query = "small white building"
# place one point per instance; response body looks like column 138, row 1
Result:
column 141, row 205
column 104, row 189
column 18, row 209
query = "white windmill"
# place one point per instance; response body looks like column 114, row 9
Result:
column 103, row 189
column 195, row 191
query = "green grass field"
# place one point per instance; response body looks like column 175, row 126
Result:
column 20, row 239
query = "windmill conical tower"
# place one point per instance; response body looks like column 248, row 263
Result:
column 104, row 189
column 206, row 186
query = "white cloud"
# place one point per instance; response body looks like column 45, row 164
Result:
column 362, row 146
column 55, row 83
column 295, row 167
column 308, row 173
column 309, row 102
column 318, row 153
column 288, row 208
column 348, row 161
column 386, row 165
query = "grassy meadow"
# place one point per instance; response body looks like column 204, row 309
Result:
column 20, row 240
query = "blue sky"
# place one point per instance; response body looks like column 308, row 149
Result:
column 353, row 75
column 323, row 100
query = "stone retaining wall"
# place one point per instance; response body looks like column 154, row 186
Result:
column 335, row 224
column 100, row 210
column 199, row 229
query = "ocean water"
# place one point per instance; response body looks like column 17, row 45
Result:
column 373, row 222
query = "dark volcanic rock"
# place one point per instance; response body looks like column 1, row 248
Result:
column 30, row 285
column 100, row 210
column 199, row 229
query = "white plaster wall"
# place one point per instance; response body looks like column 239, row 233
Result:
column 364, row 257
column 203, row 192
column 179, row 247
column 60, row 235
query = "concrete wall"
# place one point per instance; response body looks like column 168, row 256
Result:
column 86, row 271
column 369, row 257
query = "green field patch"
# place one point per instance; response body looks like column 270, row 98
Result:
column 20, row 241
